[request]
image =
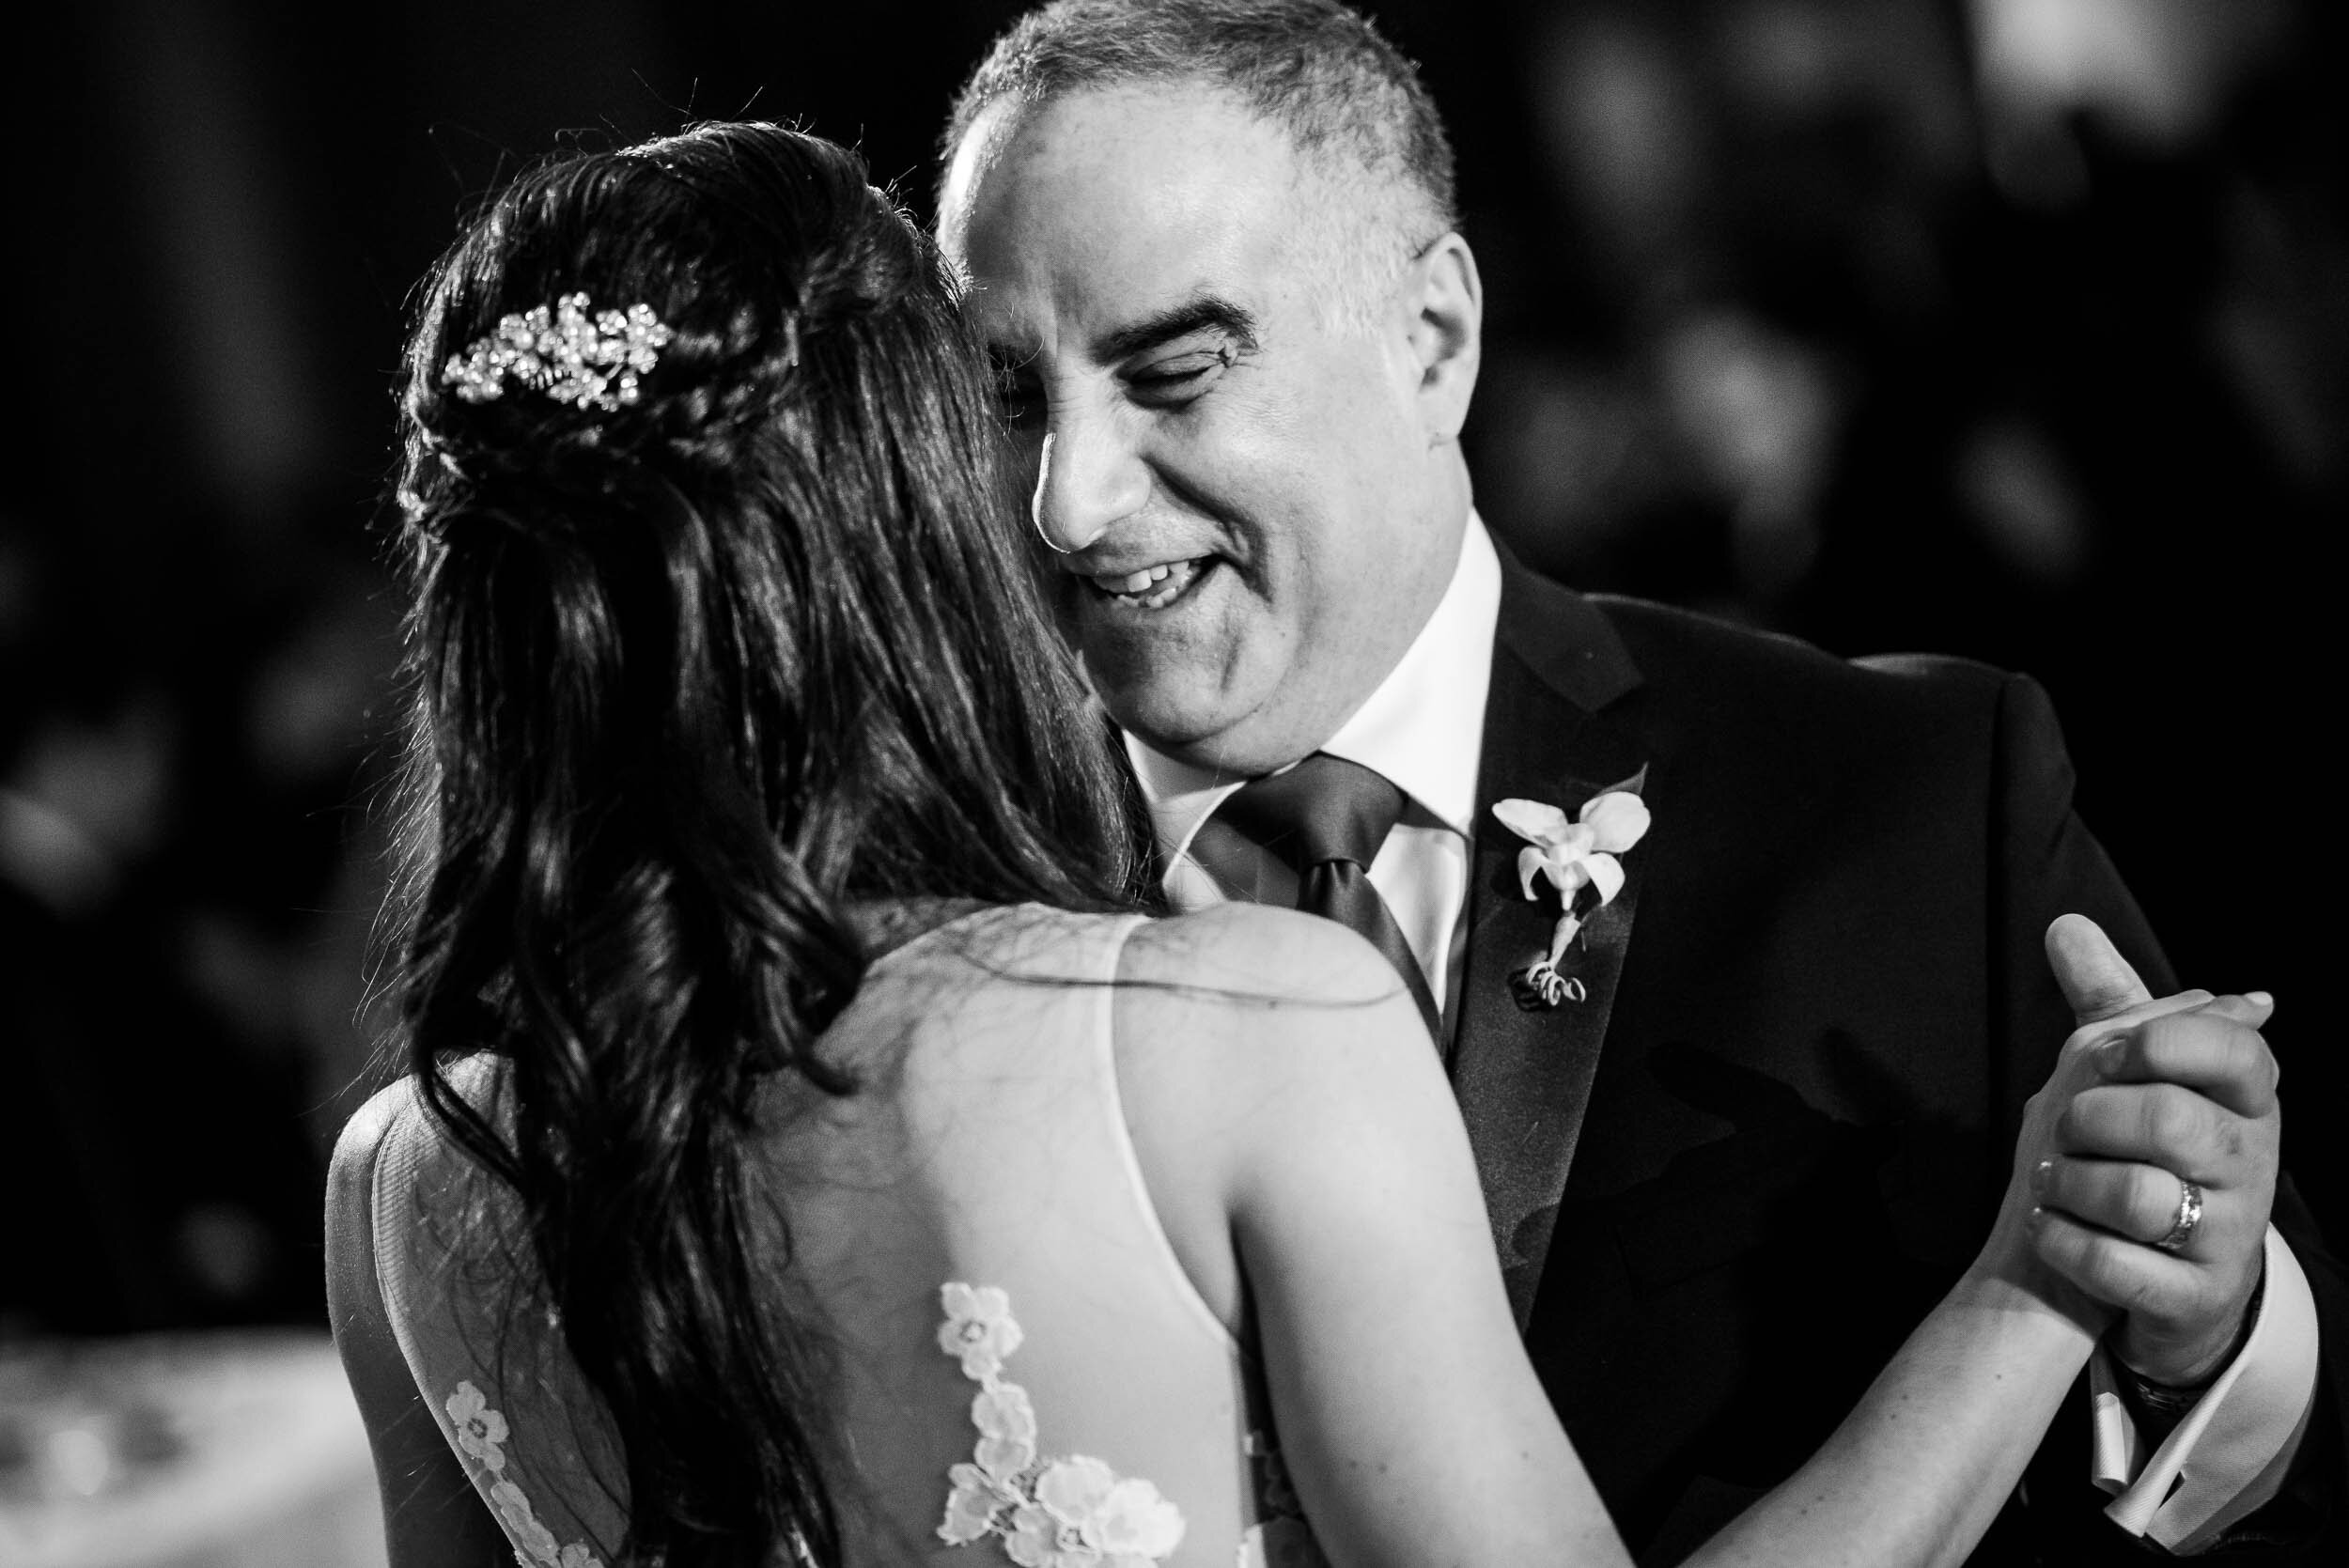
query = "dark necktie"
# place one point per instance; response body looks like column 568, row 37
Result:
column 1326, row 819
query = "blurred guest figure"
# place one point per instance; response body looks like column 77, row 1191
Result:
column 154, row 1172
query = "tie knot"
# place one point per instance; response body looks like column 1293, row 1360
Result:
column 1324, row 809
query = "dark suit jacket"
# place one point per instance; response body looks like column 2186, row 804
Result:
column 1815, row 1013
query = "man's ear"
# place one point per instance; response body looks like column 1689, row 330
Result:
column 1447, row 303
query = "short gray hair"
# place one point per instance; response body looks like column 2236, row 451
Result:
column 1348, row 100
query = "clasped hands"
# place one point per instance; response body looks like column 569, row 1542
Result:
column 2149, row 1094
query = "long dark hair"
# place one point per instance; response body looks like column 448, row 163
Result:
column 691, row 674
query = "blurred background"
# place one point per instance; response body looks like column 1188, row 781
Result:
column 2015, row 329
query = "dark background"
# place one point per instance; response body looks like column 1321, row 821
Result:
column 2018, row 330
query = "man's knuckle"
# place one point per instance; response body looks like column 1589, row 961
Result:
column 2185, row 1041
column 2231, row 1136
column 2175, row 1118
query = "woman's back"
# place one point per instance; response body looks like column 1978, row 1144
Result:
column 985, row 1154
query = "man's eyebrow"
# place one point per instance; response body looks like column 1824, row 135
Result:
column 1201, row 315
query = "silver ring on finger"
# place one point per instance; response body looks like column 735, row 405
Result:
column 2189, row 1216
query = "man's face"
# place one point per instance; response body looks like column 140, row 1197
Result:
column 1242, row 483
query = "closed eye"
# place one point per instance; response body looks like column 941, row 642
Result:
column 1179, row 378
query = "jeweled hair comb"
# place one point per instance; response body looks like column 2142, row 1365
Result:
column 593, row 360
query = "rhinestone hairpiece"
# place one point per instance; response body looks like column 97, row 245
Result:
column 571, row 355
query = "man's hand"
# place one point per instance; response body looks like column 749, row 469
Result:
column 2178, row 1091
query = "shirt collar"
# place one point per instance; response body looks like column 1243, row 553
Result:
column 1423, row 727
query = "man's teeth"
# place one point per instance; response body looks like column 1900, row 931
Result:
column 1135, row 583
column 1151, row 588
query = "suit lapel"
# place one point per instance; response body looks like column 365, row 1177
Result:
column 1523, row 1077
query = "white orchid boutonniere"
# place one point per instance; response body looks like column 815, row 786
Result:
column 1579, row 859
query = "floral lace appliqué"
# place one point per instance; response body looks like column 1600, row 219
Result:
column 1071, row 1513
column 481, row 1433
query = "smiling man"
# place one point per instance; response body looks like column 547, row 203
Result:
column 1732, row 1157
column 1239, row 474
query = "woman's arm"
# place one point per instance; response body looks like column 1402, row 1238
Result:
column 1916, row 1473
column 431, row 1515
column 1933, row 1450
column 1312, row 1146
column 1313, row 1143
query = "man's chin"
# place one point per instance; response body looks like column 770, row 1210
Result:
column 1173, row 722
column 1190, row 691
column 1157, row 686
column 1233, row 739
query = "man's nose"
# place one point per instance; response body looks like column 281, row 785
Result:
column 1087, row 478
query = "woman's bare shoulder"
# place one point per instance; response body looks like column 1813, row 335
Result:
column 1242, row 1004
column 395, row 1124
column 1255, row 958
column 1242, row 1032
column 370, row 1127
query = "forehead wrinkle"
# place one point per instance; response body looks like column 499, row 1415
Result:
column 1085, row 226
column 1063, row 303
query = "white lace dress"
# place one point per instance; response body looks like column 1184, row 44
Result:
column 1022, row 1371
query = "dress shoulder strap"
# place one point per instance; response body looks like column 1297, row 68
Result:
column 1178, row 1279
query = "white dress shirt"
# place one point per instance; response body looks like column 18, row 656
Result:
column 1423, row 729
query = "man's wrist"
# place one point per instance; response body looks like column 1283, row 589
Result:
column 2165, row 1403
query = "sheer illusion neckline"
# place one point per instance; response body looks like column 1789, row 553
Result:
column 900, row 930
column 888, row 928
